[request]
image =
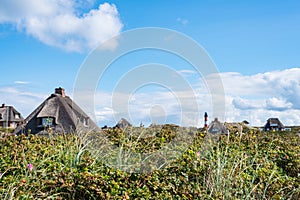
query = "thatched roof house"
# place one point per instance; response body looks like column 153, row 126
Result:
column 273, row 124
column 10, row 117
column 123, row 123
column 216, row 127
column 59, row 114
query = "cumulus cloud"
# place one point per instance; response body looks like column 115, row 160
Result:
column 253, row 98
column 148, row 107
column 260, row 96
column 263, row 95
column 241, row 85
column 105, row 115
column 244, row 104
column 23, row 101
column 278, row 104
column 59, row 23
column 283, row 84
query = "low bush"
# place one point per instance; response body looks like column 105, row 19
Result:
column 254, row 165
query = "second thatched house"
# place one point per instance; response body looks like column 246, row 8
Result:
column 9, row 117
column 216, row 127
column 273, row 124
column 58, row 113
column 123, row 123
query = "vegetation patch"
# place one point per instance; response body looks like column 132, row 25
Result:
column 252, row 165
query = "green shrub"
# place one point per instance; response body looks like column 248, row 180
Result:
column 250, row 166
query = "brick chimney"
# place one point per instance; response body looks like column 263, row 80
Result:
column 3, row 105
column 60, row 91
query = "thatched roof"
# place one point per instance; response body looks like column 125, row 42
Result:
column 123, row 123
column 216, row 127
column 10, row 114
column 59, row 113
column 273, row 124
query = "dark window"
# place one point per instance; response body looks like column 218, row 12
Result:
column 86, row 122
column 47, row 121
column 215, row 130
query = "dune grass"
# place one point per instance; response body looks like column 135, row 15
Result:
column 253, row 165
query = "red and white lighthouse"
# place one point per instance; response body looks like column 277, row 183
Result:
column 205, row 120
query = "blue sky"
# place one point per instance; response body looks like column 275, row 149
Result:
column 255, row 45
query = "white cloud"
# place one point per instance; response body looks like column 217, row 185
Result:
column 244, row 104
column 260, row 96
column 186, row 72
column 59, row 23
column 253, row 98
column 278, row 104
column 182, row 21
column 104, row 113
column 284, row 84
column 241, row 85
column 21, row 82
column 25, row 102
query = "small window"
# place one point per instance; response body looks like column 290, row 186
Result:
column 47, row 121
column 17, row 116
column 215, row 130
column 0, row 116
column 13, row 125
column 86, row 122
